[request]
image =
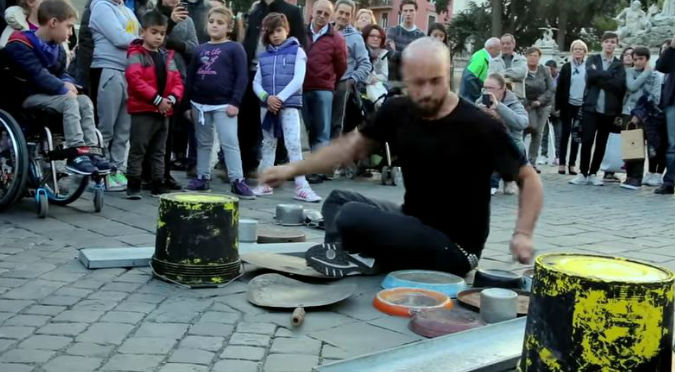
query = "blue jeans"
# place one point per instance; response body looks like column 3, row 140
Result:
column 317, row 108
column 669, row 178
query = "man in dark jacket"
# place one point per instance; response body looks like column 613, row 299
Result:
column 250, row 133
column 326, row 63
column 603, row 101
column 666, row 64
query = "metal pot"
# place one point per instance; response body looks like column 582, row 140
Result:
column 497, row 278
column 248, row 230
column 290, row 214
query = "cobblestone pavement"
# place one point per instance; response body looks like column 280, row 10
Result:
column 55, row 315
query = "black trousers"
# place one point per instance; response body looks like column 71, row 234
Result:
column 595, row 129
column 567, row 116
column 379, row 229
column 147, row 141
column 249, row 129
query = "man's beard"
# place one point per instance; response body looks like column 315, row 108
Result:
column 429, row 107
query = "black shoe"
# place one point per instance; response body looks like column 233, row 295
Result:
column 330, row 260
column 610, row 177
column 134, row 188
column 665, row 190
column 631, row 184
column 81, row 165
column 315, row 178
column 159, row 188
column 171, row 184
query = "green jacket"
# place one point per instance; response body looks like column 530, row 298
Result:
column 474, row 75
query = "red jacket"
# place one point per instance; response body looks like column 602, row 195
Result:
column 326, row 60
column 142, row 80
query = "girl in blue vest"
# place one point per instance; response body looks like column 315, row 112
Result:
column 278, row 84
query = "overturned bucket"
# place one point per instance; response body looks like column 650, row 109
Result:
column 197, row 239
column 597, row 313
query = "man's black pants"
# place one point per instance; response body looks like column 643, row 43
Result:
column 379, row 229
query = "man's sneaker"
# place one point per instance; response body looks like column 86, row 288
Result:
column 580, row 179
column 81, row 165
column 158, row 188
column 170, row 183
column 631, row 184
column 241, row 189
column 111, row 183
column 101, row 163
column 595, row 181
column 199, row 184
column 653, row 179
column 493, row 190
column 664, row 190
column 263, row 190
column 305, row 193
column 542, row 160
column 510, row 188
column 610, row 177
column 329, row 259
column 121, row 180
column 134, row 189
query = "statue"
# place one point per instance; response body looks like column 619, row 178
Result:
column 633, row 21
column 546, row 41
column 668, row 9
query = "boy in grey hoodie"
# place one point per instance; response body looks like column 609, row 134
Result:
column 358, row 63
column 113, row 28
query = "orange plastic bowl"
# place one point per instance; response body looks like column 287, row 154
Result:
column 404, row 301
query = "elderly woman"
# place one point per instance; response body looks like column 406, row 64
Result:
column 364, row 17
column 569, row 98
column 375, row 38
column 504, row 106
column 539, row 92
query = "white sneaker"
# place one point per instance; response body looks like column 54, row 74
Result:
column 305, row 193
column 263, row 190
column 652, row 179
column 493, row 190
column 510, row 188
column 595, row 180
column 542, row 160
column 580, row 179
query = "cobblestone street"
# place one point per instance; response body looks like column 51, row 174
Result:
column 56, row 315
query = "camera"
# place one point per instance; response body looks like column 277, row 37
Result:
column 487, row 100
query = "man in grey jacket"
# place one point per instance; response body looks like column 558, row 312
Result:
column 511, row 65
column 113, row 27
column 358, row 64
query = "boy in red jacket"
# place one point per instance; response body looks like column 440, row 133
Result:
column 154, row 86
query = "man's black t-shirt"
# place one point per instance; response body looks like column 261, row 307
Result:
column 447, row 164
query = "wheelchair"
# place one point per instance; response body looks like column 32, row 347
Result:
column 33, row 156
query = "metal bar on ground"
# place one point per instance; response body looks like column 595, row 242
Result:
column 492, row 348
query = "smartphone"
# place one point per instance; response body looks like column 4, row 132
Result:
column 487, row 100
column 184, row 5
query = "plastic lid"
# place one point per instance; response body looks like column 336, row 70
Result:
column 604, row 268
column 404, row 301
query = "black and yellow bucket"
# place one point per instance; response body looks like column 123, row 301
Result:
column 197, row 240
column 596, row 313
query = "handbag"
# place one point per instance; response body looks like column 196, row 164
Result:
column 632, row 143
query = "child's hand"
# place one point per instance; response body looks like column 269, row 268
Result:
column 274, row 104
column 232, row 111
column 165, row 106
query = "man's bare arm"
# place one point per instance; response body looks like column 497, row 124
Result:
column 529, row 206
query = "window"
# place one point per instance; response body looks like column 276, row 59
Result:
column 431, row 21
column 384, row 21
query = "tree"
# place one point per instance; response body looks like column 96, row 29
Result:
column 474, row 22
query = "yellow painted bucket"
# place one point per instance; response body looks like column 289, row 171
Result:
column 197, row 241
column 598, row 313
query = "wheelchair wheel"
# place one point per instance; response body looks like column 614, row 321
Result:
column 98, row 199
column 62, row 186
column 13, row 160
column 42, row 203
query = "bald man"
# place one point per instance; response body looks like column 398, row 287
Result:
column 441, row 225
column 477, row 70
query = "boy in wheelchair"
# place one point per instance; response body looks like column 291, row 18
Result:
column 39, row 62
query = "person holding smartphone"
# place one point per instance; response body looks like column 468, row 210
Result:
column 502, row 104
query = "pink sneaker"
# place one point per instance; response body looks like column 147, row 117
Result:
column 305, row 193
column 263, row 190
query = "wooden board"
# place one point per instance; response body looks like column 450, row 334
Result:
column 471, row 299
column 98, row 258
column 286, row 263
column 274, row 290
column 275, row 234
